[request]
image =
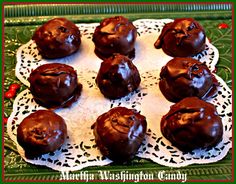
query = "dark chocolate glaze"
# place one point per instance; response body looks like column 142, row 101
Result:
column 41, row 132
column 192, row 123
column 57, row 38
column 54, row 85
column 182, row 38
column 115, row 35
column 119, row 133
column 117, row 77
column 186, row 77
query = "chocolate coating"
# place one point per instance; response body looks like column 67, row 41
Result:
column 41, row 132
column 57, row 38
column 115, row 35
column 182, row 38
column 117, row 77
column 192, row 123
column 186, row 77
column 119, row 133
column 54, row 85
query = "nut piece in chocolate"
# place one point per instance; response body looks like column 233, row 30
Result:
column 115, row 35
column 186, row 77
column 119, row 133
column 54, row 85
column 117, row 77
column 182, row 38
column 41, row 132
column 191, row 124
column 57, row 38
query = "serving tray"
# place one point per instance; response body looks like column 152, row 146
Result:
column 20, row 23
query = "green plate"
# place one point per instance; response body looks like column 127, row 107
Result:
column 20, row 23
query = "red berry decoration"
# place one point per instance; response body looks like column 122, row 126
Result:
column 10, row 94
column 5, row 119
column 223, row 26
column 14, row 87
column 12, row 90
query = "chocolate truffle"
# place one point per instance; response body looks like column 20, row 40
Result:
column 182, row 38
column 117, row 77
column 192, row 123
column 41, row 132
column 54, row 85
column 186, row 77
column 57, row 38
column 115, row 35
column 119, row 133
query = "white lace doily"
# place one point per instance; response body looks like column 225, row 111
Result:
column 80, row 149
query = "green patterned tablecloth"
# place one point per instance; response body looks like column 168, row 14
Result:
column 20, row 23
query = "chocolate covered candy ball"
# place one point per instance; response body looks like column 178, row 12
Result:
column 182, row 38
column 192, row 123
column 54, row 85
column 119, row 133
column 57, row 38
column 117, row 77
column 41, row 132
column 115, row 35
column 186, row 77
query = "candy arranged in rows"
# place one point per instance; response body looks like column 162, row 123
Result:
column 190, row 124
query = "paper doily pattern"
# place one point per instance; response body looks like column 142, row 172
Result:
column 80, row 149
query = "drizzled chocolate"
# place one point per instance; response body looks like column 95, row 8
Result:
column 192, row 123
column 119, row 133
column 41, row 132
column 115, row 35
column 57, row 38
column 54, row 85
column 182, row 38
column 186, row 77
column 117, row 77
